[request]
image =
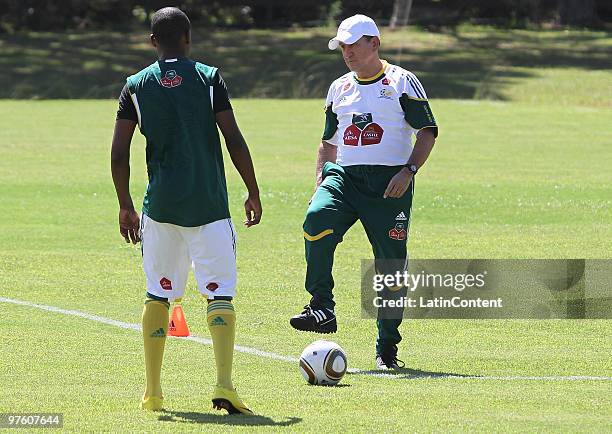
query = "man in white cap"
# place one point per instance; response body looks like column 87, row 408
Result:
column 365, row 171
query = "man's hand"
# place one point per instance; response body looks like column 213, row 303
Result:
column 129, row 222
column 399, row 184
column 252, row 206
column 129, row 225
column 241, row 157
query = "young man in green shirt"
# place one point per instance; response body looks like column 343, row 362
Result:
column 178, row 104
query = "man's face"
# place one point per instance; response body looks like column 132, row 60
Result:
column 361, row 53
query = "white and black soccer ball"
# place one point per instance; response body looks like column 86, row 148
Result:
column 323, row 363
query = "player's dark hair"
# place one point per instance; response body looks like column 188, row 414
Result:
column 168, row 25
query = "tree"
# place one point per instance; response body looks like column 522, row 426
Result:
column 576, row 12
column 401, row 13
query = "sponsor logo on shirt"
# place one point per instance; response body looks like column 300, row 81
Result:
column 363, row 129
column 385, row 93
column 371, row 135
column 171, row 79
column 351, row 135
column 362, row 119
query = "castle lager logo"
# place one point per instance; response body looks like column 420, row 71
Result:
column 371, row 135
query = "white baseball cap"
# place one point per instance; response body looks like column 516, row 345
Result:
column 353, row 28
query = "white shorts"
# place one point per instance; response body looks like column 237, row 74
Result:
column 168, row 250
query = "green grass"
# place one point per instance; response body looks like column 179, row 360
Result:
column 554, row 67
column 506, row 180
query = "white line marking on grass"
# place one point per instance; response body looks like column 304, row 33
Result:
column 266, row 354
column 247, row 350
column 123, row 325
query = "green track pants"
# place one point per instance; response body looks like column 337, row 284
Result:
column 348, row 194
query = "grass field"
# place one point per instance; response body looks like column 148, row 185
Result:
column 521, row 170
column 506, row 180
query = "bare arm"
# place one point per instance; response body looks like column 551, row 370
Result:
column 241, row 158
column 425, row 141
column 422, row 148
column 327, row 152
column 129, row 221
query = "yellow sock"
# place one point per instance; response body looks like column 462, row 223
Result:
column 221, row 320
column 154, row 329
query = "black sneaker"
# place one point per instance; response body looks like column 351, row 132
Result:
column 387, row 359
column 315, row 320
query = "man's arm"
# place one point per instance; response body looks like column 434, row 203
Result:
column 327, row 152
column 129, row 221
column 241, row 157
column 423, row 145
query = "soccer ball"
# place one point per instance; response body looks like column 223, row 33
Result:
column 323, row 363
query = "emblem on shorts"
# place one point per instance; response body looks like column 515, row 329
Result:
column 401, row 216
column 212, row 286
column 171, row 79
column 166, row 284
column 398, row 232
column 363, row 128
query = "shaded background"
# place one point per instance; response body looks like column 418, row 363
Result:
column 63, row 14
column 501, row 50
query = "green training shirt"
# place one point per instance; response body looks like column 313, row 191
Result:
column 173, row 99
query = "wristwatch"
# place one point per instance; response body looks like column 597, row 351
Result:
column 412, row 167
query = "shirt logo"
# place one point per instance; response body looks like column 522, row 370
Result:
column 351, row 135
column 363, row 128
column 385, row 93
column 386, row 81
column 171, row 79
column 371, row 135
column 362, row 119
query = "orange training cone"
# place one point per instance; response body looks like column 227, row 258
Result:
column 178, row 324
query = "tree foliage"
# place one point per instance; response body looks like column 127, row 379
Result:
column 57, row 15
